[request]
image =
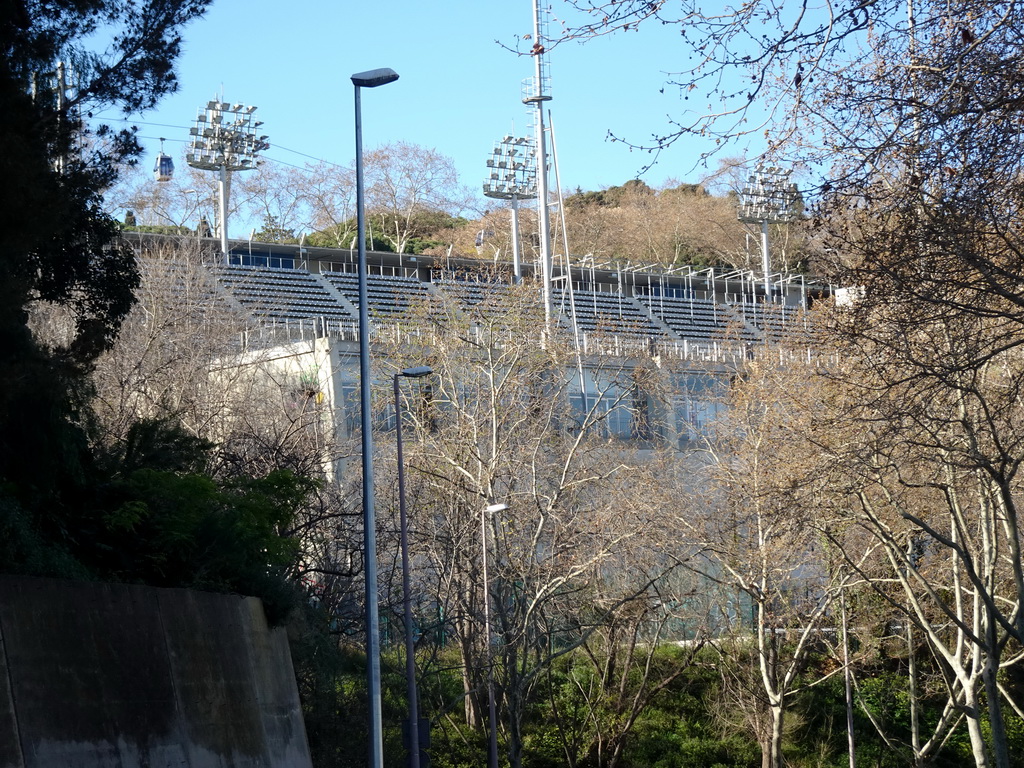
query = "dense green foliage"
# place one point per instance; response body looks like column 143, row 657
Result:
column 147, row 512
column 56, row 243
column 72, row 502
column 612, row 196
column 694, row 722
column 272, row 232
column 426, row 230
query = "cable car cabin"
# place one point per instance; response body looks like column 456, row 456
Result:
column 163, row 170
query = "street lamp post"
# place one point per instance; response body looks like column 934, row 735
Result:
column 492, row 719
column 410, row 645
column 360, row 80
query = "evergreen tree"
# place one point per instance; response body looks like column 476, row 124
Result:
column 57, row 246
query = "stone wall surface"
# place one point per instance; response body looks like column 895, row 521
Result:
column 122, row 676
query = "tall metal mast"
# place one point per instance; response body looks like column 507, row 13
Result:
column 536, row 93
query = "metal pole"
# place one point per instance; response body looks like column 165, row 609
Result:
column 545, row 224
column 764, row 260
column 516, row 268
column 223, row 189
column 538, row 98
column 492, row 718
column 410, row 645
column 376, row 747
column 847, row 684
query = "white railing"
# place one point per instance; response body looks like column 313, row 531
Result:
column 716, row 352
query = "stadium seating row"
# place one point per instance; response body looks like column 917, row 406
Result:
column 297, row 294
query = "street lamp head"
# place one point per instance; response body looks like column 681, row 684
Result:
column 417, row 372
column 374, row 77
column 493, row 508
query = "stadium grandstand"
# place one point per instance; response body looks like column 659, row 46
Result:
column 699, row 323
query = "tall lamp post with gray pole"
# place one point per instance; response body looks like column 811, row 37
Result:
column 492, row 718
column 410, row 645
column 360, row 80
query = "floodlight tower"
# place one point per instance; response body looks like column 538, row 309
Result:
column 513, row 176
column 535, row 93
column 224, row 140
column 769, row 196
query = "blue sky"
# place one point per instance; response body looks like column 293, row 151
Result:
column 459, row 90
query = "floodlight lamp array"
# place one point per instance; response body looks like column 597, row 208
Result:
column 768, row 196
column 224, row 136
column 512, row 170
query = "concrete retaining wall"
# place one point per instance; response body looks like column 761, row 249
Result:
column 119, row 676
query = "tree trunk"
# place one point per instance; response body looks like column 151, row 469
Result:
column 978, row 747
column 775, row 753
column 470, row 694
column 995, row 714
column 515, row 732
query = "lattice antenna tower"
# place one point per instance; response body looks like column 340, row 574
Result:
column 224, row 139
column 538, row 88
column 536, row 92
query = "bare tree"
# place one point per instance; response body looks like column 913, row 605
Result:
column 180, row 202
column 623, row 665
column 927, row 465
column 330, row 196
column 913, row 112
column 182, row 356
column 761, row 537
column 406, row 183
column 824, row 83
column 498, row 424
column 277, row 193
